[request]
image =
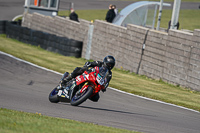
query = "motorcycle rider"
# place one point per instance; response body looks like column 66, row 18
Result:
column 108, row 62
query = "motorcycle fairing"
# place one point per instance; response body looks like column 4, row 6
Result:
column 67, row 92
column 85, row 86
column 63, row 93
column 85, row 77
column 100, row 79
column 63, row 96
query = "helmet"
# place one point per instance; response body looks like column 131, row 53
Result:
column 109, row 61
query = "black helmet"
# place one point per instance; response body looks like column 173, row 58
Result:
column 109, row 61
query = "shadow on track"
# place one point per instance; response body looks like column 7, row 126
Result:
column 107, row 110
column 110, row 110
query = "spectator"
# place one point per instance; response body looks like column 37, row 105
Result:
column 115, row 10
column 110, row 14
column 73, row 16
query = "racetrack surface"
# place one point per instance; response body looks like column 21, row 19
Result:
column 12, row 8
column 26, row 88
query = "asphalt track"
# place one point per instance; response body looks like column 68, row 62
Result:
column 25, row 87
column 12, row 8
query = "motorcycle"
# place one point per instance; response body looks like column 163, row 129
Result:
column 79, row 89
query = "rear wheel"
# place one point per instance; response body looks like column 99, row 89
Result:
column 79, row 98
column 53, row 96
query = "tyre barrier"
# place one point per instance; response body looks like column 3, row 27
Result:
column 75, row 48
column 2, row 26
column 50, row 42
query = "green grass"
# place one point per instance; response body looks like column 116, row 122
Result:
column 187, row 18
column 21, row 122
column 123, row 80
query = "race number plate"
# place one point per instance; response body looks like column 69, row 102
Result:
column 100, row 80
column 59, row 92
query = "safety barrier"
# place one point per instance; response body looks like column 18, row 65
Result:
column 2, row 27
column 50, row 42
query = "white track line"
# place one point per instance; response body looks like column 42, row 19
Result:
column 109, row 87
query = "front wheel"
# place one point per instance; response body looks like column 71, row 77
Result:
column 79, row 98
column 53, row 96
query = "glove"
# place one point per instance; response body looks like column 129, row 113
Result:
column 87, row 64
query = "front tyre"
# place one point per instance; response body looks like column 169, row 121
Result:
column 79, row 98
column 53, row 96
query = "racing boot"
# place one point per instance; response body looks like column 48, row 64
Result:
column 67, row 79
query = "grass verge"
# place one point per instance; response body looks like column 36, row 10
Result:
column 22, row 122
column 123, row 80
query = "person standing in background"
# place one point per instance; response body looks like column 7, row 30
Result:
column 110, row 14
column 115, row 9
column 73, row 16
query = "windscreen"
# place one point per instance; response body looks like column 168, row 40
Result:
column 101, row 77
column 103, row 71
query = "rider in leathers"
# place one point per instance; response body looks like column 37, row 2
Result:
column 109, row 62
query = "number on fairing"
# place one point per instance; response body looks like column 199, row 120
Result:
column 59, row 92
column 100, row 80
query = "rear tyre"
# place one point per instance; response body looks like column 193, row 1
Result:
column 53, row 96
column 81, row 97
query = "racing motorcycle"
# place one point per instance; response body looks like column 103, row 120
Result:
column 79, row 89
